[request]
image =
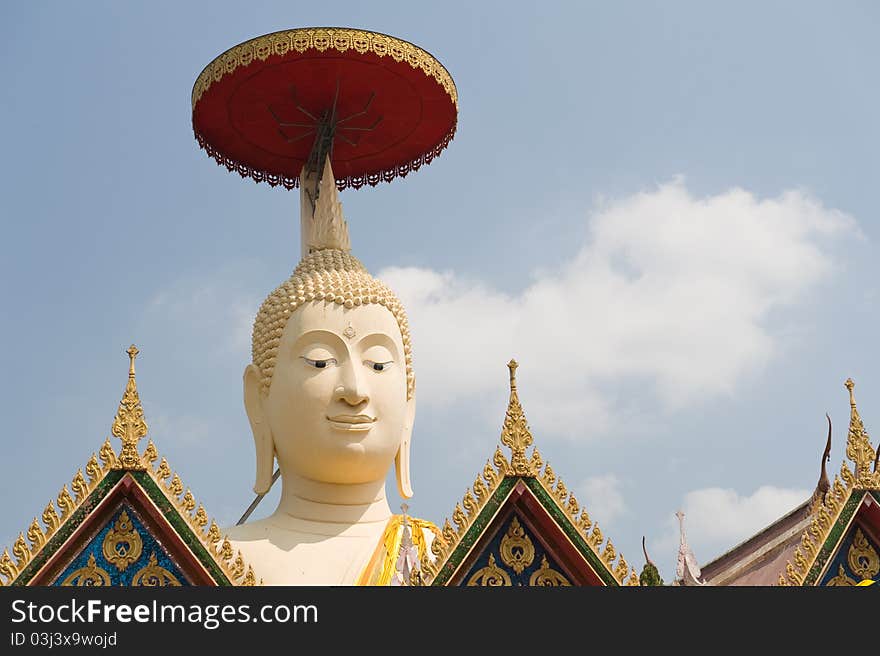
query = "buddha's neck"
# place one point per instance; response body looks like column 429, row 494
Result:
column 313, row 501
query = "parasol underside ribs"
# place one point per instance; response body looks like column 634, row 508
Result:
column 326, row 126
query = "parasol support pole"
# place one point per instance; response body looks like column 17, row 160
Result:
column 256, row 502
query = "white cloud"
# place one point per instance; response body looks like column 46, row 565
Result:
column 602, row 498
column 716, row 519
column 670, row 291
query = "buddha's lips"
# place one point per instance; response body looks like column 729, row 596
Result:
column 352, row 419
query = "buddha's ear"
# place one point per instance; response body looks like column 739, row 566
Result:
column 264, row 446
column 401, row 460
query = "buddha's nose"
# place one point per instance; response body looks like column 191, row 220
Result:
column 352, row 388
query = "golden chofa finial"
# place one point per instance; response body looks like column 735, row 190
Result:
column 858, row 444
column 515, row 433
column 129, row 424
column 512, row 365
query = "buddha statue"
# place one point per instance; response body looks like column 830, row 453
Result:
column 330, row 395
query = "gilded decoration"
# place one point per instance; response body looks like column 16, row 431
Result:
column 858, row 446
column 827, row 511
column 841, row 579
column 154, row 575
column 129, row 424
column 479, row 501
column 90, row 575
column 515, row 433
column 120, row 550
column 29, row 549
column 122, row 545
column 856, row 560
column 862, row 557
column 523, row 560
column 547, row 576
column 517, row 550
column 321, row 39
column 490, row 576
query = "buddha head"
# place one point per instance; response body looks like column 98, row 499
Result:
column 331, row 392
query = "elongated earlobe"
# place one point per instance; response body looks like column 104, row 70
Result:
column 263, row 443
column 402, row 459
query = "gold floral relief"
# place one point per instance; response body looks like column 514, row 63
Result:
column 490, row 576
column 862, row 557
column 154, row 575
column 547, row 576
column 517, row 550
column 122, row 545
column 88, row 576
column 841, row 579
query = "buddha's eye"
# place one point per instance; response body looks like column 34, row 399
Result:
column 319, row 364
column 378, row 366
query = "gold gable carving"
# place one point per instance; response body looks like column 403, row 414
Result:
column 490, row 576
column 90, row 575
column 517, row 437
column 517, row 550
column 826, row 513
column 154, row 575
column 122, row 545
column 98, row 466
column 548, row 576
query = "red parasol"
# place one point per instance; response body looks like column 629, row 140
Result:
column 381, row 107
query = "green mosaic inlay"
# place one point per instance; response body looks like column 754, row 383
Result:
column 834, row 535
column 68, row 527
column 475, row 531
column 571, row 531
column 181, row 526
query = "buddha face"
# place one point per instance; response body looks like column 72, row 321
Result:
column 336, row 408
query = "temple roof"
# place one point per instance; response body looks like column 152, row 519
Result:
column 798, row 548
column 521, row 509
column 135, row 517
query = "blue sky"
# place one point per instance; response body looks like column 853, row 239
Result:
column 690, row 190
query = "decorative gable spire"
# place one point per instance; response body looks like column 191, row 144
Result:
column 687, row 570
column 858, row 444
column 824, row 484
column 650, row 574
column 515, row 433
column 129, row 424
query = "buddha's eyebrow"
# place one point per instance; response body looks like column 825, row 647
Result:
column 382, row 339
column 318, row 335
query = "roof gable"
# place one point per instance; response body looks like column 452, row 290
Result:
column 128, row 522
column 547, row 516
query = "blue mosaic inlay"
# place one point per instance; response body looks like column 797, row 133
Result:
column 535, row 567
column 151, row 565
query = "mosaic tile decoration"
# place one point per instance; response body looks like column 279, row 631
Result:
column 123, row 553
column 857, row 559
column 514, row 558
